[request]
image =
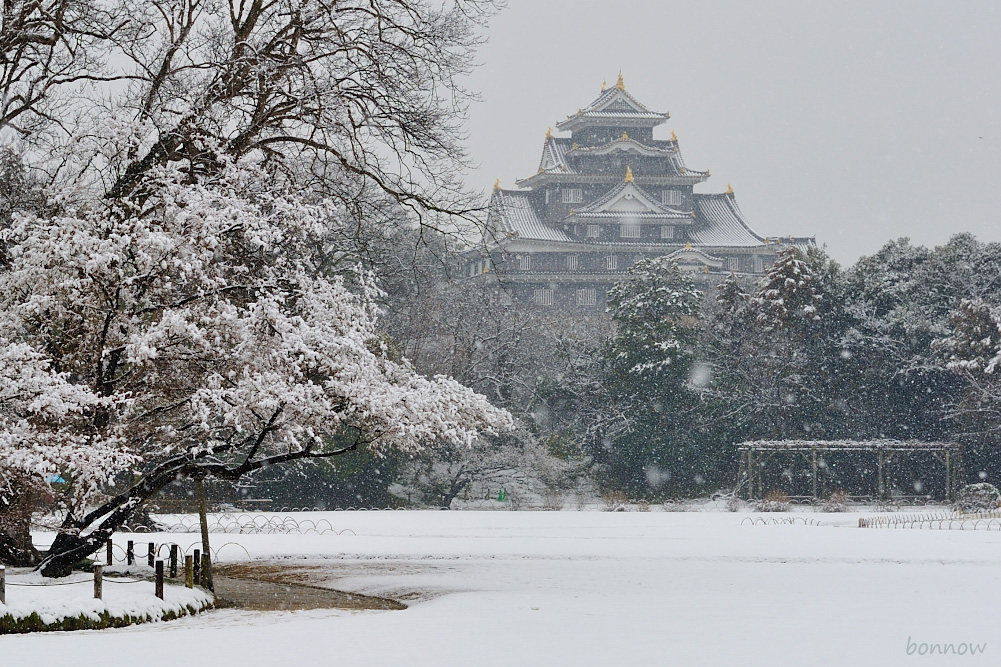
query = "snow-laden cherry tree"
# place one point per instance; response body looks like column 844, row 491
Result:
column 213, row 170
column 46, row 434
column 213, row 341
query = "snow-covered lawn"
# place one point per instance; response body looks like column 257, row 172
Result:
column 122, row 597
column 590, row 588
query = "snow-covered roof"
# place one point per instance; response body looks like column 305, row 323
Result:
column 627, row 145
column 554, row 156
column 512, row 215
column 614, row 105
column 627, row 198
column 722, row 223
column 847, row 445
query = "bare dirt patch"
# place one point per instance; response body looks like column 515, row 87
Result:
column 268, row 587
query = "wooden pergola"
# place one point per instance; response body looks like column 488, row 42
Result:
column 754, row 456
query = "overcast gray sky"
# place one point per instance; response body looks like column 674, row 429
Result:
column 855, row 122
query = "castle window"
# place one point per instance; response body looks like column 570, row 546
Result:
column 759, row 265
column 672, row 197
column 733, row 263
column 587, row 296
column 629, row 231
column 593, row 231
column 572, row 195
column 547, row 195
column 666, row 232
column 572, row 262
column 611, row 262
column 525, row 262
column 543, row 296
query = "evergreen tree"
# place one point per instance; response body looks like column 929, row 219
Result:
column 657, row 313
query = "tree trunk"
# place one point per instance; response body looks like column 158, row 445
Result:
column 16, row 549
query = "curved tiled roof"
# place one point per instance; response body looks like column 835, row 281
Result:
column 614, row 104
column 625, row 145
column 721, row 222
column 660, row 210
column 511, row 214
column 554, row 156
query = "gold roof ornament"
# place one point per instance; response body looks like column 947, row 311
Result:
column 497, row 185
column 625, row 135
column 708, row 173
column 688, row 246
column 674, row 135
column 729, row 189
column 549, row 133
column 572, row 212
column 629, row 175
column 563, row 167
column 574, row 147
column 604, row 84
column 683, row 170
column 705, row 269
column 620, row 84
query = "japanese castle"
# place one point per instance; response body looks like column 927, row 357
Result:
column 605, row 197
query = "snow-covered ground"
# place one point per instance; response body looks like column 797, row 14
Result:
column 590, row 588
column 28, row 592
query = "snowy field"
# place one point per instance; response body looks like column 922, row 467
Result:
column 588, row 588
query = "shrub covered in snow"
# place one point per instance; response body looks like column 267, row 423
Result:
column 978, row 497
column 836, row 502
column 774, row 501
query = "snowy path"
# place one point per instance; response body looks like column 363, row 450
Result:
column 592, row 588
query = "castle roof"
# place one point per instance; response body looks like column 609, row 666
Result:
column 557, row 151
column 614, row 107
column 723, row 224
column 554, row 156
column 627, row 198
column 511, row 215
column 715, row 222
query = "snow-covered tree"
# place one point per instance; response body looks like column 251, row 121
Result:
column 516, row 461
column 45, row 435
column 193, row 268
column 973, row 353
column 787, row 296
column 235, row 352
column 975, row 344
column 655, row 311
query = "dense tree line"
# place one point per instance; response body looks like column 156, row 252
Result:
column 656, row 393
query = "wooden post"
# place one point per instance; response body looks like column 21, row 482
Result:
column 879, row 471
column 159, row 579
column 173, row 561
column 98, row 581
column 189, row 575
column 948, row 478
column 130, row 553
column 110, row 557
column 813, row 456
column 197, row 574
column 151, row 554
column 3, row 585
column 204, row 522
column 207, row 572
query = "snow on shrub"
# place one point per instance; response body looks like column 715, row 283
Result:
column 774, row 501
column 978, row 497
